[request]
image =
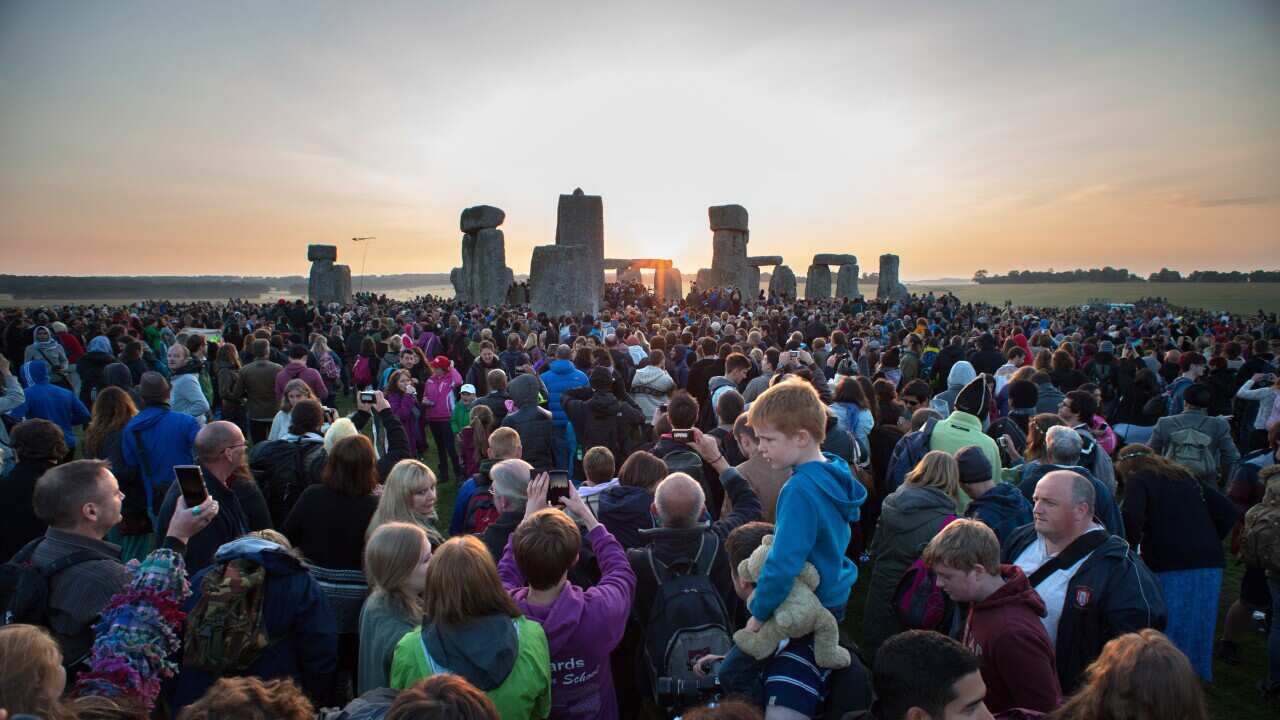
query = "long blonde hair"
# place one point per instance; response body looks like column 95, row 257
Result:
column 31, row 659
column 390, row 555
column 396, row 503
column 937, row 469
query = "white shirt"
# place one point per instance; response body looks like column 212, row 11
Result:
column 586, row 491
column 1053, row 590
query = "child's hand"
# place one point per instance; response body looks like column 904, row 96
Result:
column 537, row 499
column 702, row 665
column 753, row 625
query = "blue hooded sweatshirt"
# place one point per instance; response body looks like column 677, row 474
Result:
column 815, row 508
column 169, row 438
column 561, row 376
column 50, row 402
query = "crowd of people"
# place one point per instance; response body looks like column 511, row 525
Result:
column 661, row 509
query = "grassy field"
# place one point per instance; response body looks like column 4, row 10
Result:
column 1242, row 298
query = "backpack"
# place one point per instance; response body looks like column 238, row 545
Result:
column 329, row 368
column 226, row 631
column 685, row 461
column 1193, row 449
column 918, row 601
column 687, row 620
column 1260, row 546
column 362, row 374
column 24, row 586
column 283, row 476
column 480, row 512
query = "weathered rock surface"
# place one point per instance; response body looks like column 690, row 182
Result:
column 764, row 260
column 728, row 217
column 751, row 287
column 783, row 283
column 834, row 259
column 481, row 217
column 847, row 281
column 817, row 283
column 890, row 288
column 556, row 280
column 317, row 253
column 669, row 284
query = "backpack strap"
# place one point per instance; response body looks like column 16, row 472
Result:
column 706, row 556
column 144, row 470
column 66, row 561
column 1072, row 554
column 24, row 555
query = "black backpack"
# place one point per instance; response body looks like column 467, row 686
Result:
column 685, row 461
column 283, row 475
column 688, row 618
column 24, row 586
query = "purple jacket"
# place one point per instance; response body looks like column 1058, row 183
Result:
column 583, row 627
column 439, row 390
column 402, row 405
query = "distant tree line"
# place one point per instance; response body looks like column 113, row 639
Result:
column 1120, row 275
column 65, row 287
column 1107, row 274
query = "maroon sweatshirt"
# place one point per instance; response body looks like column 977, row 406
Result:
column 1014, row 653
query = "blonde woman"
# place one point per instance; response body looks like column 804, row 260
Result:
column 409, row 497
column 395, row 563
column 909, row 518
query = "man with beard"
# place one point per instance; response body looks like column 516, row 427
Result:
column 221, row 451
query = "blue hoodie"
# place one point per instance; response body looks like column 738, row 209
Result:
column 815, row 508
column 295, row 614
column 560, row 377
column 50, row 402
column 169, row 440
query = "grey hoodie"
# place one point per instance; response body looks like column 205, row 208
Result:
column 962, row 373
column 483, row 651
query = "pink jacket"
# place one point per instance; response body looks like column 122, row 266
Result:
column 439, row 390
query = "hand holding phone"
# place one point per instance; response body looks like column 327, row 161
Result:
column 191, row 481
column 557, row 487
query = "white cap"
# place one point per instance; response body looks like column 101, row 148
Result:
column 468, row 388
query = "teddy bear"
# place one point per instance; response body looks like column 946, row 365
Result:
column 799, row 614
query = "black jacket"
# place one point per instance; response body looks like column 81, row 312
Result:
column 625, row 512
column 241, row 509
column 600, row 419
column 536, row 430
column 673, row 545
column 1179, row 523
column 90, row 368
column 20, row 524
column 1113, row 593
column 284, row 468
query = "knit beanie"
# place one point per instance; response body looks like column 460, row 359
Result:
column 973, row 397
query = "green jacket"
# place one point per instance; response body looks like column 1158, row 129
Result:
column 525, row 693
column 461, row 417
column 961, row 429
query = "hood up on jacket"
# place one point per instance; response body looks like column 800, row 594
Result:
column 269, row 555
column 524, row 390
column 962, row 373
column 483, row 651
column 35, row 372
column 835, row 482
column 101, row 344
column 909, row 507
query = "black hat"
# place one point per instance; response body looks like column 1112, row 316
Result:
column 974, row 465
column 1023, row 394
column 601, row 378
column 973, row 397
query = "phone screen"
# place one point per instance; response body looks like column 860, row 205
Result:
column 191, row 481
column 367, row 396
column 557, row 487
column 683, row 436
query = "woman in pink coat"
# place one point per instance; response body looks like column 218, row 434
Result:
column 438, row 397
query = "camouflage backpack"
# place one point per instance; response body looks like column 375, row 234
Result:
column 226, row 631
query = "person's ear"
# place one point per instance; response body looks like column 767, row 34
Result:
column 916, row 713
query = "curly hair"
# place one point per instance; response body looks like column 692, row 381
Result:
column 249, row 698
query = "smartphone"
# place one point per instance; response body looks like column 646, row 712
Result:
column 368, row 396
column 557, row 487
column 795, row 354
column 684, row 436
column 191, row 482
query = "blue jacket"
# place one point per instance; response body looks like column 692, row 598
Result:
column 911, row 448
column 1003, row 509
column 625, row 512
column 296, row 617
column 168, row 438
column 51, row 402
column 560, row 377
column 815, row 508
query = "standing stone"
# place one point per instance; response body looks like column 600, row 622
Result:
column 328, row 283
column 782, row 284
column 484, row 277
column 751, row 287
column 847, row 281
column 580, row 221
column 552, row 289
column 629, row 274
column 728, row 247
column 817, row 283
column 672, row 285
column 890, row 288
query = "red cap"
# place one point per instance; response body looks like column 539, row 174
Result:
column 442, row 362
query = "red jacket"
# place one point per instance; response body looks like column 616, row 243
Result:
column 1014, row 653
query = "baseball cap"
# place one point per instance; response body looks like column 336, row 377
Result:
column 467, row 388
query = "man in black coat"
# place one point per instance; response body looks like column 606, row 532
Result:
column 533, row 423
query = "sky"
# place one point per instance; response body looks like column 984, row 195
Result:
column 174, row 138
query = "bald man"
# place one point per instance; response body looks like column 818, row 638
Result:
column 1093, row 586
column 680, row 505
column 220, row 449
